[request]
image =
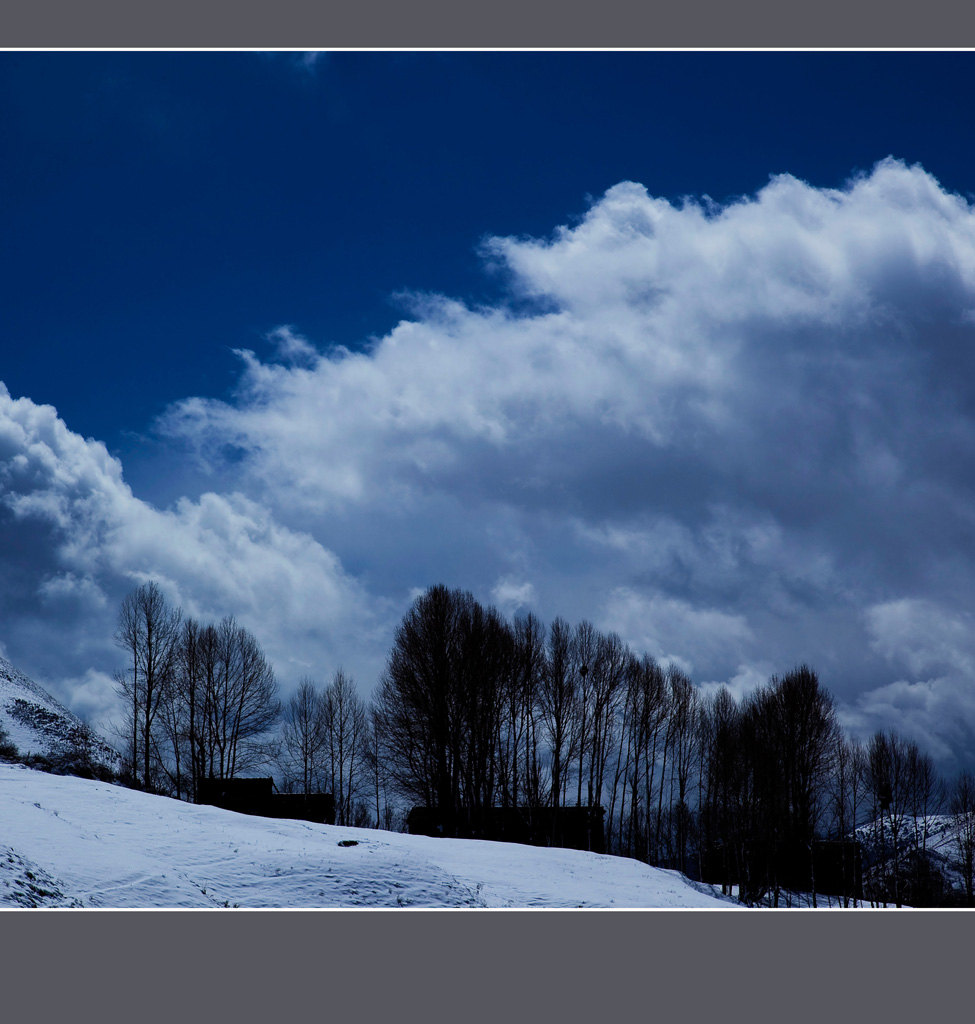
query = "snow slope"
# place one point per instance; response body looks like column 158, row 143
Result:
column 70, row 842
column 36, row 723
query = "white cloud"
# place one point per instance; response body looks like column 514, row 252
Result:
column 938, row 713
column 743, row 683
column 923, row 636
column 292, row 347
column 93, row 699
column 67, row 587
column 933, row 702
column 723, row 431
column 677, row 332
column 673, row 630
column 512, row 596
column 218, row 555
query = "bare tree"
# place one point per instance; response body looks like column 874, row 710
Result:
column 790, row 738
column 486, row 666
column 129, row 636
column 206, row 758
column 725, row 792
column 170, row 740
column 418, row 705
column 149, row 630
column 304, row 737
column 530, row 636
column 379, row 777
column 847, row 796
column 641, row 718
column 607, row 689
column 517, row 754
column 245, row 701
column 888, row 775
column 962, row 805
column 344, row 740
column 558, row 707
column 681, row 739
column 438, row 706
column 925, row 794
column 583, row 657
column 192, row 694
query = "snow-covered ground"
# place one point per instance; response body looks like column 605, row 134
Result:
column 70, row 842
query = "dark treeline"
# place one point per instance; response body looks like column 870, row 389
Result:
column 474, row 712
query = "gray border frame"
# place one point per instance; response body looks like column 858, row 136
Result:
column 327, row 24
column 482, row 965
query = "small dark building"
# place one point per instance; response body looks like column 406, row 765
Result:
column 257, row 796
column 235, row 794
column 570, row 828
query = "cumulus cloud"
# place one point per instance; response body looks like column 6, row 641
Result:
column 790, row 321
column 745, row 423
column 931, row 649
column 739, row 435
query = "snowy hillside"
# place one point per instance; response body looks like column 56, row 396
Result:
column 69, row 842
column 929, row 860
column 36, row 723
column 937, row 833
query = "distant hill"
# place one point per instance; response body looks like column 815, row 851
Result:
column 928, row 865
column 37, row 724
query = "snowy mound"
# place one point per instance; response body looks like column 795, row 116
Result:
column 36, row 723
column 70, row 842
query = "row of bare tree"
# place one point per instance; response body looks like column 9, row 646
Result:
column 202, row 702
column 475, row 712
column 327, row 748
column 200, row 698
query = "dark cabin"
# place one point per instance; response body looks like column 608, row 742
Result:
column 257, row 796
column 570, row 828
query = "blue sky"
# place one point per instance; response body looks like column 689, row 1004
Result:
column 187, row 203
column 661, row 340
